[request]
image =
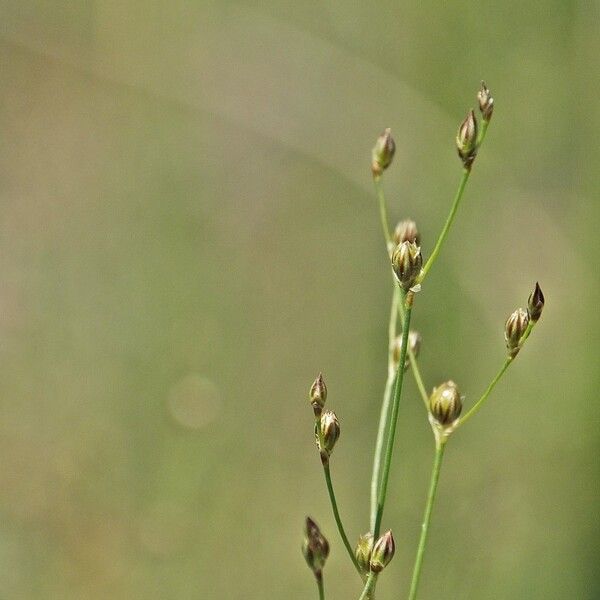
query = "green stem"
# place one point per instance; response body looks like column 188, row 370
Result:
column 435, row 476
column 337, row 517
column 487, row 392
column 385, row 224
column 418, row 377
column 385, row 410
column 393, row 420
column 320, row 586
column 369, row 586
column 447, row 225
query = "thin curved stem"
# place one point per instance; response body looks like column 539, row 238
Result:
column 385, row 409
column 435, row 476
column 450, row 219
column 487, row 392
column 369, row 586
column 418, row 377
column 393, row 420
column 320, row 586
column 338, row 519
column 385, row 224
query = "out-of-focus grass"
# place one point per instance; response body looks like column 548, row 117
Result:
column 188, row 235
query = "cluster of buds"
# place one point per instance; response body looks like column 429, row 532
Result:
column 467, row 136
column 327, row 426
column 315, row 547
column 374, row 556
column 445, row 405
column 407, row 262
column 520, row 320
column 382, row 153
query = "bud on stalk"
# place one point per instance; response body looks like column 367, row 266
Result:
column 514, row 329
column 383, row 552
column 330, row 431
column 466, row 140
column 445, row 404
column 318, row 395
column 486, row 102
column 315, row 547
column 406, row 231
column 535, row 304
column 383, row 152
column 363, row 551
column 414, row 345
column 407, row 262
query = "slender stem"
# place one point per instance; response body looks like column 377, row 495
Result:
column 418, row 377
column 337, row 517
column 320, row 586
column 447, row 225
column 435, row 475
column 393, row 420
column 487, row 392
column 482, row 133
column 385, row 224
column 369, row 586
column 385, row 409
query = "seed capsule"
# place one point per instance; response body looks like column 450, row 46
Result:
column 406, row 231
column 330, row 431
column 466, row 140
column 535, row 303
column 383, row 152
column 407, row 261
column 363, row 551
column 445, row 403
column 383, row 552
column 315, row 547
column 486, row 102
column 318, row 394
column 515, row 327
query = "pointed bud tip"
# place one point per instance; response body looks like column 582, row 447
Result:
column 514, row 328
column 407, row 262
column 486, row 102
column 466, row 139
column 318, row 394
column 445, row 404
column 330, row 431
column 383, row 152
column 535, row 304
column 383, row 552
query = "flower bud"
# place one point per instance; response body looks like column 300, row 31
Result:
column 445, row 403
column 407, row 261
column 535, row 303
column 515, row 327
column 486, row 102
column 383, row 152
column 315, row 547
column 414, row 345
column 383, row 552
column 466, row 140
column 330, row 431
column 363, row 552
column 406, row 231
column 318, row 394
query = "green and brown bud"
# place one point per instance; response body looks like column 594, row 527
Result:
column 406, row 231
column 315, row 547
column 486, row 102
column 535, row 304
column 466, row 140
column 407, row 261
column 330, row 431
column 514, row 329
column 383, row 152
column 445, row 404
column 383, row 552
column 318, row 394
column 363, row 551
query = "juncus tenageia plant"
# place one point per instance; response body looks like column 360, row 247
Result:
column 444, row 405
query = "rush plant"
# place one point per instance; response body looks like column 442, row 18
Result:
column 443, row 405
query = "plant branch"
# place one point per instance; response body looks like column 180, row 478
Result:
column 435, row 475
column 369, row 586
column 320, row 586
column 385, row 224
column 393, row 419
column 337, row 517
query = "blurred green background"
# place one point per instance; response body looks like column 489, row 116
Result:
column 188, row 234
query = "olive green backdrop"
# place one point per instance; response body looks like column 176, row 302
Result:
column 188, row 234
